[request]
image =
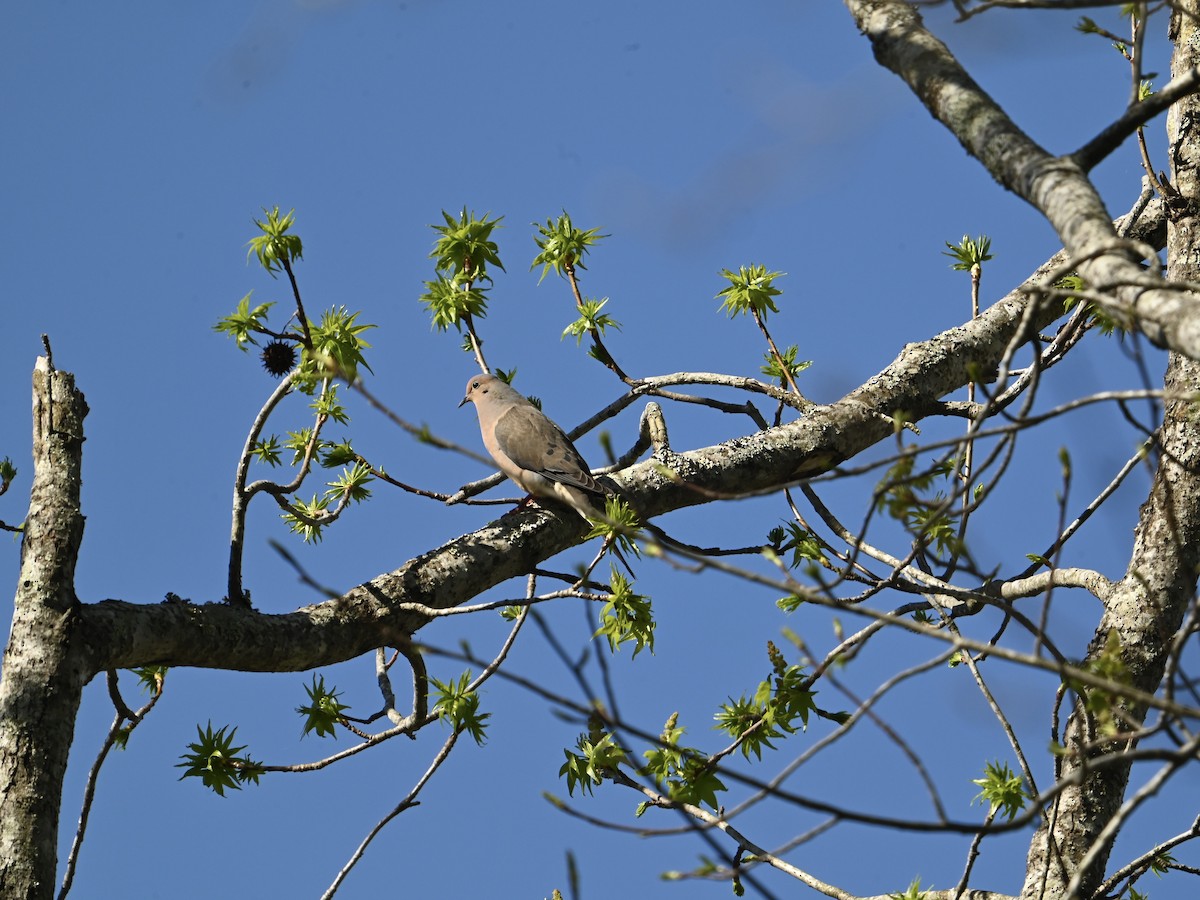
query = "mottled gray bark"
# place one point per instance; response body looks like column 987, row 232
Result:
column 1145, row 609
column 43, row 676
column 1149, row 603
column 1057, row 186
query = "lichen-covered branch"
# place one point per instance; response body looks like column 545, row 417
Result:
column 1057, row 186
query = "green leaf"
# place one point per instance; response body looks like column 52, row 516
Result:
column 620, row 521
column 304, row 519
column 151, row 678
column 452, row 303
column 324, row 711
column 663, row 761
column 333, row 455
column 244, row 322
column 464, row 248
column 751, row 289
column 460, row 707
column 275, row 248
column 1001, row 789
column 779, row 703
column 215, row 761
column 267, row 451
column 969, row 254
column 591, row 321
column 790, row 603
column 7, row 473
column 337, row 346
column 598, row 756
column 297, row 442
column 626, row 617
column 698, row 784
column 684, row 772
column 327, row 404
column 1098, row 315
column 1109, row 664
column 352, row 483
column 804, row 546
column 773, row 369
column 562, row 246
column 914, row 892
column 1162, row 863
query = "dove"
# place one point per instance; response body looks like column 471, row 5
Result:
column 530, row 449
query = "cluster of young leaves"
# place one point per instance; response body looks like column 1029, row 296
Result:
column 151, row 678
column 780, row 706
column 464, row 247
column 626, row 617
column 7, row 473
column 215, row 761
column 275, row 248
column 597, row 758
column 462, row 253
column 1101, row 704
column 800, row 542
column 620, row 521
column 244, row 323
column 308, row 518
column 329, row 454
column 591, row 321
column 1002, row 790
column 561, row 249
column 451, row 304
column 780, row 367
column 751, row 290
column 324, row 711
column 562, row 246
column 685, row 774
column 969, row 254
column 1160, row 865
column 931, row 520
column 914, row 892
column 458, row 705
column 332, row 347
column 1100, row 317
column 337, row 348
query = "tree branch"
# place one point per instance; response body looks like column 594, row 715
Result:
column 1056, row 186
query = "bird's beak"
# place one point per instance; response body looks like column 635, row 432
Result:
column 463, row 401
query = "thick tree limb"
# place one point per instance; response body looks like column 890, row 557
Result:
column 388, row 608
column 1137, row 115
column 1056, row 186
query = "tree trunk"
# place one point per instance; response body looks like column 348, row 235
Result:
column 1147, row 607
column 43, row 677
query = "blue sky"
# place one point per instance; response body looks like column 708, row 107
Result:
column 142, row 140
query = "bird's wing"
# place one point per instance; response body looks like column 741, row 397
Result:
column 536, row 444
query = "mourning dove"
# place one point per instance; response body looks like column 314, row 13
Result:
column 530, row 449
